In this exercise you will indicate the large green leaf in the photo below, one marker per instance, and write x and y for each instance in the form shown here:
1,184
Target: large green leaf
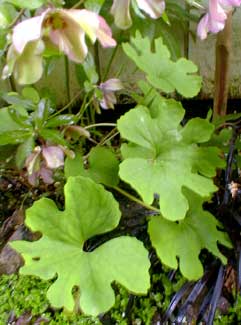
162,157
103,166
160,70
184,240
89,211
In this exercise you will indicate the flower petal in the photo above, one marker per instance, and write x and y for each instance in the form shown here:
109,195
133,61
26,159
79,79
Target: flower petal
154,8
46,175
70,37
111,85
108,100
121,11
93,25
104,34
28,67
27,31
71,41
203,27
54,156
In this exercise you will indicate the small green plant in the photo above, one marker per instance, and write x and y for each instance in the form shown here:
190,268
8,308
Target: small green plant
169,164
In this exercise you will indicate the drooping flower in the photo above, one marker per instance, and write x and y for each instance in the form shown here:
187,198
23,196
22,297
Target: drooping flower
108,88
64,29
121,10
214,20
41,163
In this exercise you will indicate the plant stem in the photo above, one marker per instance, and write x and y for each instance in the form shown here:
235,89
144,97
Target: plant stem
99,124
67,105
15,20
97,59
110,62
12,84
186,33
133,198
109,138
221,83
77,4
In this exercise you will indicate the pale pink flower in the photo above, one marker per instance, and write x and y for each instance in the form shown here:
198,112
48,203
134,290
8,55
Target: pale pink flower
54,156
41,163
121,10
64,29
214,20
108,88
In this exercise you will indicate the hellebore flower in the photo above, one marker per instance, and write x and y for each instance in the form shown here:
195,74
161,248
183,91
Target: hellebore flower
63,29
41,162
121,10
214,20
107,88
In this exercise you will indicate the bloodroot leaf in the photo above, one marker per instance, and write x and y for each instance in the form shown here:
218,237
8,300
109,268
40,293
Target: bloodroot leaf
89,211
163,157
184,240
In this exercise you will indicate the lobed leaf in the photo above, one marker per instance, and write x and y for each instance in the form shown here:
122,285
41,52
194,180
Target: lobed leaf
89,211
162,157
161,71
185,239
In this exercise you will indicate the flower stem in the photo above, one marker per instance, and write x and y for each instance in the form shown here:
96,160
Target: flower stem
110,63
99,124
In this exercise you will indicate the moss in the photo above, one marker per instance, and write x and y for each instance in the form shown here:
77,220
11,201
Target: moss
145,308
20,294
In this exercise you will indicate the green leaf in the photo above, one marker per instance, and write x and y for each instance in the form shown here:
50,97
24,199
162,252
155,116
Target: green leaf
23,151
62,119
185,239
94,5
31,94
22,120
7,14
16,100
75,166
54,136
160,70
89,211
103,166
33,4
41,113
14,137
162,157
6,122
